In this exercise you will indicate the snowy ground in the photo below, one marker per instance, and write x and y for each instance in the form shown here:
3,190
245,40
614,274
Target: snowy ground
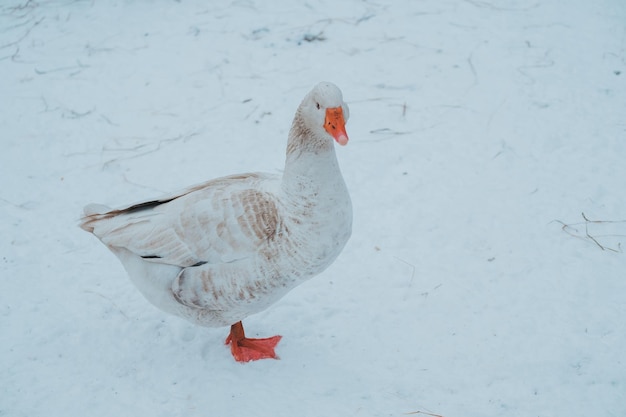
472,285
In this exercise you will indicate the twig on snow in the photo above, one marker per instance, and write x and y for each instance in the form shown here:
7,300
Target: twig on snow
388,131
77,69
423,412
310,37
412,275
146,148
29,6
24,35
109,300
572,231
487,5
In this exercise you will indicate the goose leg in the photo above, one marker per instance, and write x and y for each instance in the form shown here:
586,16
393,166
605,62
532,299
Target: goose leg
246,349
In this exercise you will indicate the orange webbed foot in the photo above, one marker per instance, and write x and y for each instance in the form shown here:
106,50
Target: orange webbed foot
247,349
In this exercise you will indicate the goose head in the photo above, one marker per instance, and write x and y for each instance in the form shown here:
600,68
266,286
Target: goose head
323,114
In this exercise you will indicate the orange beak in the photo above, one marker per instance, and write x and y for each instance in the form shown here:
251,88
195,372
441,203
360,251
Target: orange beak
335,125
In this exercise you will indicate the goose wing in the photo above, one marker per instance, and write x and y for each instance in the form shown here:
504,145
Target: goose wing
222,220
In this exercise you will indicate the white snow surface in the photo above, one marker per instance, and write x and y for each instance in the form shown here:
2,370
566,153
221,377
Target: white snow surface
480,132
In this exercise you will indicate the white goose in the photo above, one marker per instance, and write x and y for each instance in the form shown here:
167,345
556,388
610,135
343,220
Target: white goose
220,251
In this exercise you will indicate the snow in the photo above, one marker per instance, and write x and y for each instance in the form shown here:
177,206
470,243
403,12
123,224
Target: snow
480,131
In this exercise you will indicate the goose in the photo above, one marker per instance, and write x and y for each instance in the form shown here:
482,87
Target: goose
218,252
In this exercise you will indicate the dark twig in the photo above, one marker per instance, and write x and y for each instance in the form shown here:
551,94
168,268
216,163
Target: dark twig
572,231
423,412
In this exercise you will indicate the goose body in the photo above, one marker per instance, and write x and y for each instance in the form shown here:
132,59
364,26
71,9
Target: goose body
220,251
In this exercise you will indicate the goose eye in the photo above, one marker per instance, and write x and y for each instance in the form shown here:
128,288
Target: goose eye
318,106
